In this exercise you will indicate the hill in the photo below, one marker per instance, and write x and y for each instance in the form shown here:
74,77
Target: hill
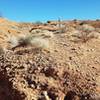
57,60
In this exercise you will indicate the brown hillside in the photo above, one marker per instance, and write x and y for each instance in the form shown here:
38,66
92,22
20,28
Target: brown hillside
50,61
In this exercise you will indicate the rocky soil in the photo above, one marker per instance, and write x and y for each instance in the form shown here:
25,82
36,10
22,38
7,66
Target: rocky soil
68,69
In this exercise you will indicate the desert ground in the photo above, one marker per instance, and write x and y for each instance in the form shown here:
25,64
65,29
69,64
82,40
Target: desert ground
56,60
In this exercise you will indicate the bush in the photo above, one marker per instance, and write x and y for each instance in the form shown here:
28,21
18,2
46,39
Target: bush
85,33
12,40
24,40
38,23
84,37
48,21
28,39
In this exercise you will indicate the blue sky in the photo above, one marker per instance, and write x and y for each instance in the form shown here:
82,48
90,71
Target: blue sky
43,10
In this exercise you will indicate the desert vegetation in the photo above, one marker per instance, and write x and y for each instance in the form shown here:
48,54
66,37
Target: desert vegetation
85,33
36,40
42,65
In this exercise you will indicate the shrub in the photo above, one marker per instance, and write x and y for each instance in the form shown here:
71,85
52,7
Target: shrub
28,39
13,41
97,19
38,23
39,42
86,28
48,21
84,37
85,33
24,40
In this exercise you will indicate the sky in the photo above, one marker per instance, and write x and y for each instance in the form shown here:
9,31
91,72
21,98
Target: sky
43,10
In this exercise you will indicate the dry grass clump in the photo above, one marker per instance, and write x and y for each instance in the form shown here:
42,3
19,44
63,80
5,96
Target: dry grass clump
85,33
12,40
24,40
28,40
